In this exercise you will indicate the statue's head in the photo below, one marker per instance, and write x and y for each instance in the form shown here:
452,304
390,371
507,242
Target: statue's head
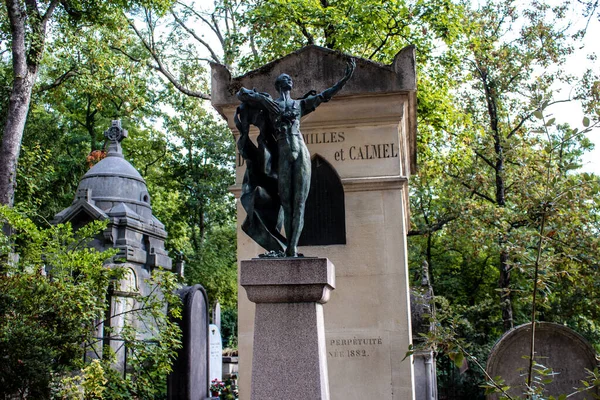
283,81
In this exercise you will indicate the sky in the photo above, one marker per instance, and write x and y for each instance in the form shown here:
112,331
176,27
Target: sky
577,64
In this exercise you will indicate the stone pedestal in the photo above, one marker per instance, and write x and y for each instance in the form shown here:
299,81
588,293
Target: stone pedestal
289,361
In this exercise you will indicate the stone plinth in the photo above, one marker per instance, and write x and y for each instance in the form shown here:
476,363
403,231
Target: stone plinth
289,361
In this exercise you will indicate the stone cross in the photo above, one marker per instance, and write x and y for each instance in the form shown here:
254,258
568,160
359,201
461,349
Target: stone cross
115,134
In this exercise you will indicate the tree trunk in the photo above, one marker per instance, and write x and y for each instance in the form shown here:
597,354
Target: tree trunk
18,108
505,296
25,69
25,63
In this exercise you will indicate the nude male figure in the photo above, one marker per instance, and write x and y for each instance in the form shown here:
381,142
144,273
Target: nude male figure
294,167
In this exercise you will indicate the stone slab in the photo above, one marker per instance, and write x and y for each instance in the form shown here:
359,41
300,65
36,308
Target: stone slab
189,379
556,346
215,364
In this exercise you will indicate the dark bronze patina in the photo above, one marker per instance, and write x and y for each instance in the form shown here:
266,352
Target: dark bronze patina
277,178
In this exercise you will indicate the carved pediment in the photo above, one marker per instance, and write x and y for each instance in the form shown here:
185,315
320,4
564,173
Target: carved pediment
317,68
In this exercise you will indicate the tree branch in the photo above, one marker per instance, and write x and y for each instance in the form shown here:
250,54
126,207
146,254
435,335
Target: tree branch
529,115
58,81
160,67
434,227
48,13
214,55
488,162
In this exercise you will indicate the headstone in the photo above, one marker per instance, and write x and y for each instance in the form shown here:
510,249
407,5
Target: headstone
366,137
230,367
289,361
216,316
216,354
556,346
189,379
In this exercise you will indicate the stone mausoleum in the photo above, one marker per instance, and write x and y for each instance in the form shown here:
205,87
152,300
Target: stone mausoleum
114,190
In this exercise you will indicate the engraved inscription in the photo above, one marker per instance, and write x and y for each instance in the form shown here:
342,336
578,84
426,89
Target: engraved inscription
347,153
353,348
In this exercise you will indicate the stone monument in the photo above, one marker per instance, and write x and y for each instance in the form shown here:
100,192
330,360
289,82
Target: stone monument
556,346
189,379
215,344
362,146
113,190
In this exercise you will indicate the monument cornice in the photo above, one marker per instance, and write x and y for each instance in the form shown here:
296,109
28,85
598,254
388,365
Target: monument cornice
355,184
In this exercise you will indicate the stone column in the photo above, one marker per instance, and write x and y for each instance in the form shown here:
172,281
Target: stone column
289,360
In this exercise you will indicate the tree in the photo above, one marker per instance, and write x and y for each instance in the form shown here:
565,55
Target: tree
28,23
53,295
500,209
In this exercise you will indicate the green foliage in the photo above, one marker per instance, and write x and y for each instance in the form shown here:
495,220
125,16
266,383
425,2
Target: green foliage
44,320
370,29
53,290
216,266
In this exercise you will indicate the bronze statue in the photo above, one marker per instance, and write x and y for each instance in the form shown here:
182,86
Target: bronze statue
278,169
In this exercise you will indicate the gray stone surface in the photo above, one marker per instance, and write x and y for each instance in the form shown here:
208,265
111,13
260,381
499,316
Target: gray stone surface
425,375
278,280
189,379
557,347
399,76
289,360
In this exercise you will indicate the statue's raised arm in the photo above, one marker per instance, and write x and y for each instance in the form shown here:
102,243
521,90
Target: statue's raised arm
310,103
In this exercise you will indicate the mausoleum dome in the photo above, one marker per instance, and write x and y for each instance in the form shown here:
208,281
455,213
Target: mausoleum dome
113,190
113,181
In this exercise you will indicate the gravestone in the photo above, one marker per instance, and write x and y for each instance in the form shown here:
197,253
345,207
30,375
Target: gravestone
363,142
216,315
556,346
189,379
216,353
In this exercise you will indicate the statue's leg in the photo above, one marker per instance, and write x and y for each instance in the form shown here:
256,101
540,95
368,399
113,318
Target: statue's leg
285,188
301,187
